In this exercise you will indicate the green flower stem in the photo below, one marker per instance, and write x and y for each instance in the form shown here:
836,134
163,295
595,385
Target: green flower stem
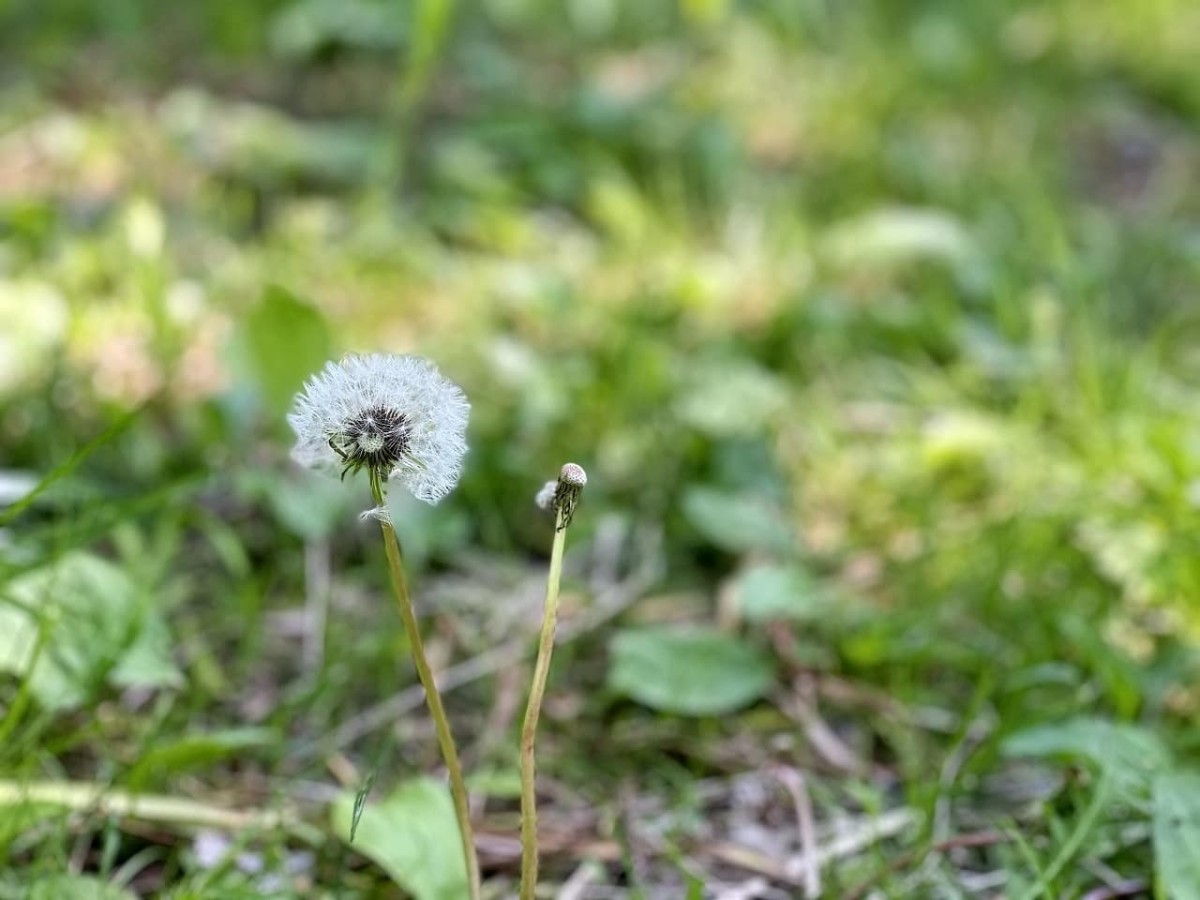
529,842
458,789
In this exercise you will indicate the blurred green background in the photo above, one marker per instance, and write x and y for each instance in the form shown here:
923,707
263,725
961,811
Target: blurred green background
875,325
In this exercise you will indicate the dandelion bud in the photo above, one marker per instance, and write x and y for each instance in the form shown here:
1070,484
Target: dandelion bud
570,484
573,474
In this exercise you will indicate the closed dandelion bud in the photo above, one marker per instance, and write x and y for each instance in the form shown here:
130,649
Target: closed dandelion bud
571,481
395,416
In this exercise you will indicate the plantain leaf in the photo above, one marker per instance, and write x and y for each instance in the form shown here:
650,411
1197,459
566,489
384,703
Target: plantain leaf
413,835
692,672
1177,834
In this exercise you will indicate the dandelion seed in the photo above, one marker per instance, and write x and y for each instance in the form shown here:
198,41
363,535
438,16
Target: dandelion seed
545,497
378,513
395,416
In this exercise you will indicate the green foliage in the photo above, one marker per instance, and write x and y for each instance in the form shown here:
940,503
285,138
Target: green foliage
738,522
689,672
308,27
75,886
766,592
1132,757
873,324
285,341
413,835
20,818
1177,834
197,752
80,622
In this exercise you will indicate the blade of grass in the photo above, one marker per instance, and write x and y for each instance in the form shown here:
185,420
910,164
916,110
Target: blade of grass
1074,841
69,465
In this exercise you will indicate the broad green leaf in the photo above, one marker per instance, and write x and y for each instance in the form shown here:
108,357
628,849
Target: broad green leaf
146,661
695,672
738,522
731,398
413,835
767,592
78,623
286,341
1133,756
313,505
306,27
77,887
1177,834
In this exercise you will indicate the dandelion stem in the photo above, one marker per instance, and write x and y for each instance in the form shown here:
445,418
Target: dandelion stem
529,841
458,789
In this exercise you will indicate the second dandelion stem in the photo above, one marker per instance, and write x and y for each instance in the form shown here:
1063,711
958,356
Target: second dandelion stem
529,841
441,723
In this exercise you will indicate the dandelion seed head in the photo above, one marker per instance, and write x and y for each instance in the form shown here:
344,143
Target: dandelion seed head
396,415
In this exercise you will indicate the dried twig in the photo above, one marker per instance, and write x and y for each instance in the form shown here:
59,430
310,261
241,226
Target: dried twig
795,784
1131,888
861,834
587,874
854,837
100,799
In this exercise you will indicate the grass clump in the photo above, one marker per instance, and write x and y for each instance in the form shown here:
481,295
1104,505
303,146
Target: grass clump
874,320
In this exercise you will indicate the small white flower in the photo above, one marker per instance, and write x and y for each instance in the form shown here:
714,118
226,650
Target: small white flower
395,415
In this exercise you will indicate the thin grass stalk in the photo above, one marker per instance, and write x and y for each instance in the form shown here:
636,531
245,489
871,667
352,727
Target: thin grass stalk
458,789
529,841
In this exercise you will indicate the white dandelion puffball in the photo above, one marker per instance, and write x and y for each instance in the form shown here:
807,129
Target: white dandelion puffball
396,415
